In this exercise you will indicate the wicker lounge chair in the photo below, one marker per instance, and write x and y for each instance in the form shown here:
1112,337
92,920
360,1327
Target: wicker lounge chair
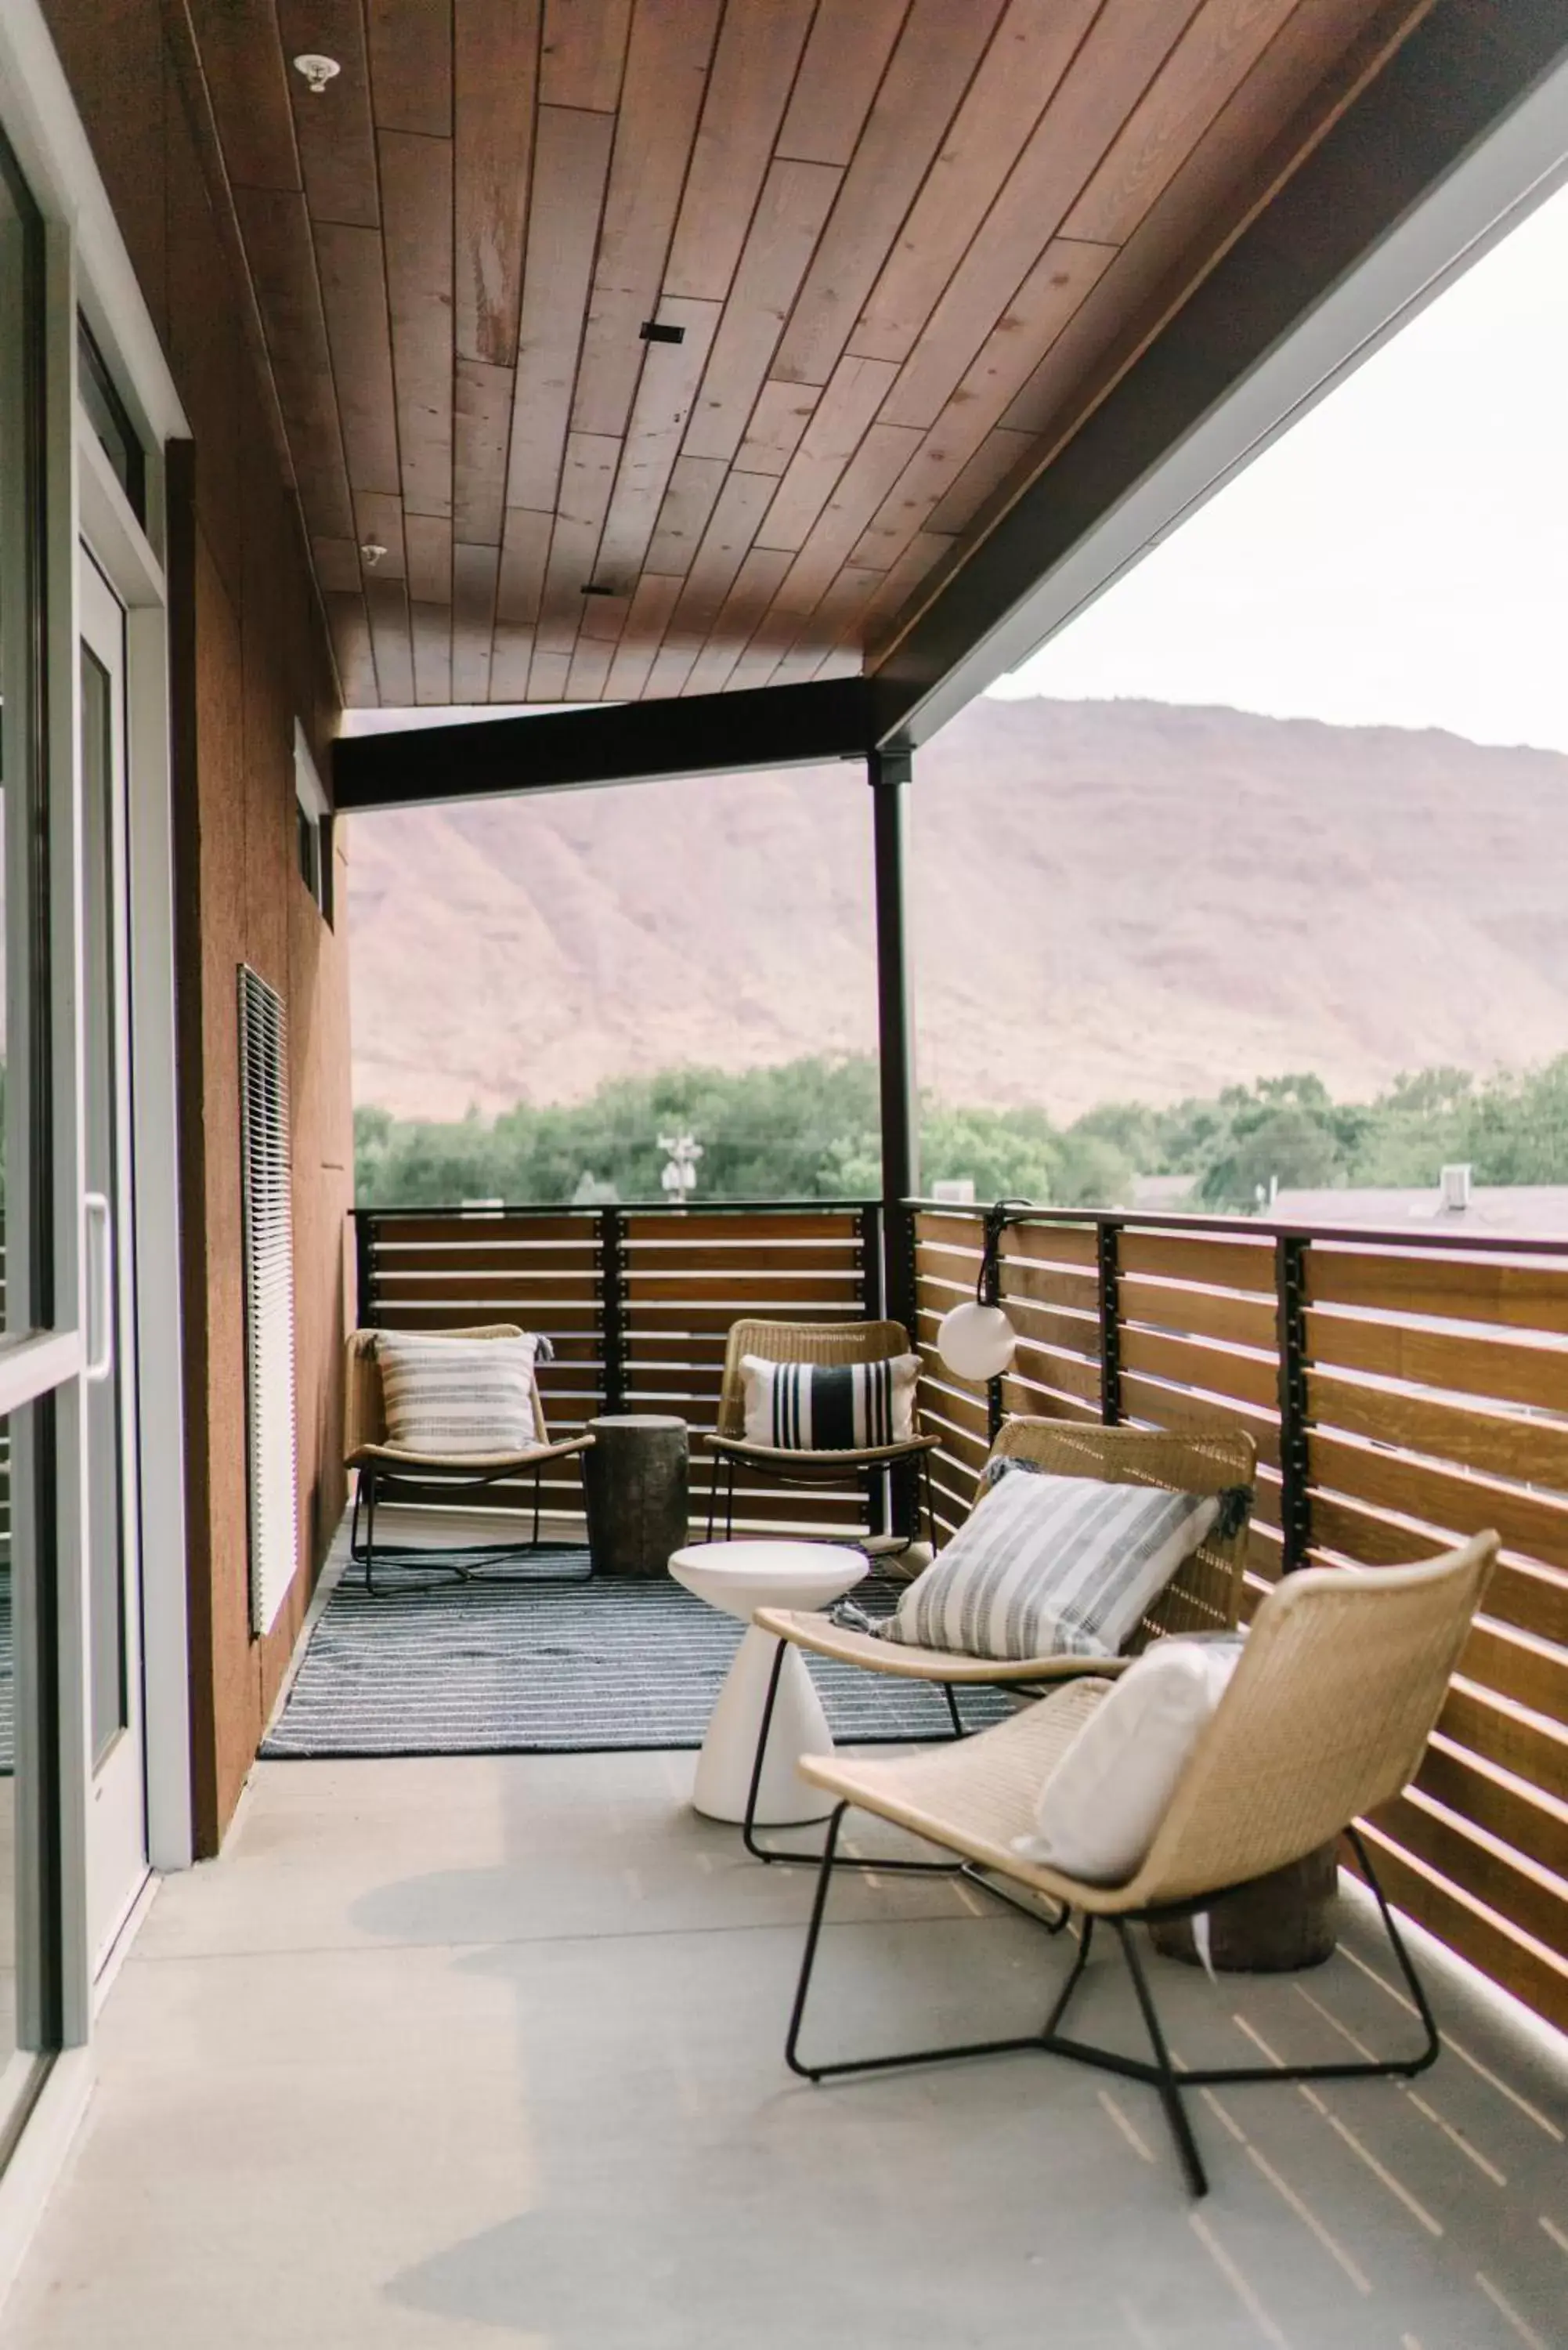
1206,1595
804,1342
1327,1716
384,1472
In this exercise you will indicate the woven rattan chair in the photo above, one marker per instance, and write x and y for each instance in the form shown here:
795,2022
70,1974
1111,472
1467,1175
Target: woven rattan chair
384,1472
832,1342
1205,1597
1327,1716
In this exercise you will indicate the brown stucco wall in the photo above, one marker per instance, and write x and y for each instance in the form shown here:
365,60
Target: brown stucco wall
249,656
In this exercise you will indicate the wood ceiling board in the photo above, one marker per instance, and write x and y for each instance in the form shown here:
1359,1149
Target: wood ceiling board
1212,60
430,628
584,53
670,375
511,660
359,337
833,620
843,413
276,232
588,678
694,486
410,65
379,521
1107,77
782,412
495,74
937,52
247,79
796,201
866,481
724,547
846,58
417,198
1032,49
387,603
1055,287
587,478
474,570
998,456
756,582
482,422
1281,111
671,42
748,88
337,564
428,550
651,605
671,668
925,551
524,552
570,162
349,629
334,133
548,676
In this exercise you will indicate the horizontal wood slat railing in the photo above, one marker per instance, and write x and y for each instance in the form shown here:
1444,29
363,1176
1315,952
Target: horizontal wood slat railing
1404,1390
638,1303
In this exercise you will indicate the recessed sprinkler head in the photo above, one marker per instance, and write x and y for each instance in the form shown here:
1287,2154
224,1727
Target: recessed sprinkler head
317,72
372,551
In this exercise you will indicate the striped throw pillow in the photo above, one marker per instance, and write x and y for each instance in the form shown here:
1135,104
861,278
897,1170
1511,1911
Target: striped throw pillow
1053,1566
452,1398
829,1407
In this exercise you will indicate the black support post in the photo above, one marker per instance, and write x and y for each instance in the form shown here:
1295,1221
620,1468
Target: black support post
888,774
1295,1507
364,1268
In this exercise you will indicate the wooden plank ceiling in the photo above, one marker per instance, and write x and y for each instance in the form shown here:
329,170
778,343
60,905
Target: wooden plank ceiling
891,249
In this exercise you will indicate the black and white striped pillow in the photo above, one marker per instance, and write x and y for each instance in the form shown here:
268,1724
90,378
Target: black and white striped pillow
829,1407
1053,1566
458,1398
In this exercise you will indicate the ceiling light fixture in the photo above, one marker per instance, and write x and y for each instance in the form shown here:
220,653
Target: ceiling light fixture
372,552
653,331
317,72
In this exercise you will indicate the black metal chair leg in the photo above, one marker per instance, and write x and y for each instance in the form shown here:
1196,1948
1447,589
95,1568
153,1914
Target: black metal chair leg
1165,2072
812,1935
1433,2046
747,1829
538,1483
1064,1997
354,1553
729,1504
954,1716
370,1589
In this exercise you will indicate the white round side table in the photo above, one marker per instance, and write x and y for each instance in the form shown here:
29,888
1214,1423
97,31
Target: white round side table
740,1576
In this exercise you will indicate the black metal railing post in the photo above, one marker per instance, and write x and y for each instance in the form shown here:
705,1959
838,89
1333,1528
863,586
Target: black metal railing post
612,1305
868,1227
1290,1292
992,1285
1107,1239
367,1304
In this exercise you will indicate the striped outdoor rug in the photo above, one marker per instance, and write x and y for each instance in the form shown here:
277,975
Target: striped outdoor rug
546,1664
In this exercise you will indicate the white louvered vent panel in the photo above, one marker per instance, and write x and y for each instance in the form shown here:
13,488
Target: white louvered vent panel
269,1296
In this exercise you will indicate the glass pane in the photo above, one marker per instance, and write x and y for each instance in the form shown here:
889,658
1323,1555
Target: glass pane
100,781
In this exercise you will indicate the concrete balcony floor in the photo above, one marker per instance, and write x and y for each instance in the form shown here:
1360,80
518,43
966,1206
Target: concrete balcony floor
452,2053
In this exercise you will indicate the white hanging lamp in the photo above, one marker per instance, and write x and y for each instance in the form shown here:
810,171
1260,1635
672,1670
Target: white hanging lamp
976,1340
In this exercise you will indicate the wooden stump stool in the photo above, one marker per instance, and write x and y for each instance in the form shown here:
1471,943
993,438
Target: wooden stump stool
1283,1921
636,1476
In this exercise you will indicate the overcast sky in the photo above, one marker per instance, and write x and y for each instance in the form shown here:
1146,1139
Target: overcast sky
1400,557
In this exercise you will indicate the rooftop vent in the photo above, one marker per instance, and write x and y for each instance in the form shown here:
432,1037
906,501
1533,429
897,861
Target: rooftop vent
1454,1187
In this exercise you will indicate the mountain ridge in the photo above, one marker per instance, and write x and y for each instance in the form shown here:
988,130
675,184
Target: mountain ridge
1110,899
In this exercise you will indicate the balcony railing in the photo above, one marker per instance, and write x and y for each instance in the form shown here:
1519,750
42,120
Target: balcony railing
637,1302
1404,1390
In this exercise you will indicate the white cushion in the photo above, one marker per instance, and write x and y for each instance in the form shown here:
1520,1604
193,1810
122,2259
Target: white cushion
1048,1567
1103,1804
455,1397
829,1407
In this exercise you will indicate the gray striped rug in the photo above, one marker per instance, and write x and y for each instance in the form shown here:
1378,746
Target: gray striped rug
550,1662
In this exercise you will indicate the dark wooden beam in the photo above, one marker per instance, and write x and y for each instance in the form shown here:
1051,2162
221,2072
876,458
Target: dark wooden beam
1447,88
617,743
